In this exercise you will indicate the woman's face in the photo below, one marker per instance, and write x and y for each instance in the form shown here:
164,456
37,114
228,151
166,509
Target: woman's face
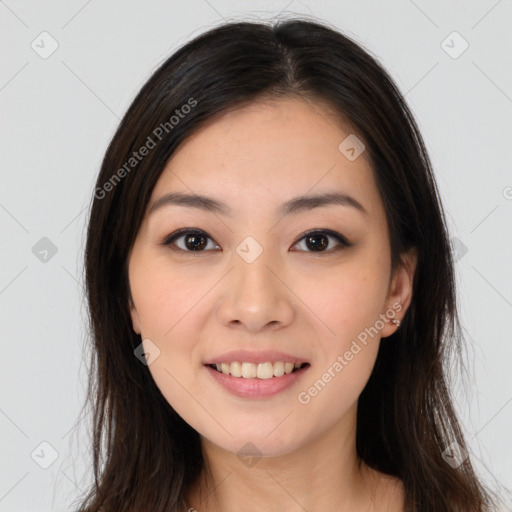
255,289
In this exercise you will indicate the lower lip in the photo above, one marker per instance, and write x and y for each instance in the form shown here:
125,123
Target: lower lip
256,388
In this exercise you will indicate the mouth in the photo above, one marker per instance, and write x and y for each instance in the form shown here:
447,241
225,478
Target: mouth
261,371
257,380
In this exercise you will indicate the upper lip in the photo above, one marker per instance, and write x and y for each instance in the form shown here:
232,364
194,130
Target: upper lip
262,356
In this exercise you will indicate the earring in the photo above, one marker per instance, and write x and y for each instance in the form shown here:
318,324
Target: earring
396,322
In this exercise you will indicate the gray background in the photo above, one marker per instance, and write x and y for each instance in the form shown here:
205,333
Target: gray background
58,114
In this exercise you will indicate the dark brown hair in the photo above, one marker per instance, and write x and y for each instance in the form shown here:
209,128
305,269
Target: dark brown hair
405,415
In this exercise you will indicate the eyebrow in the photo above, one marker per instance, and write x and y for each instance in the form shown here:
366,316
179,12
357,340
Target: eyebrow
295,205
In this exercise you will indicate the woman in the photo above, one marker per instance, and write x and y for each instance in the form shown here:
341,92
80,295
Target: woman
271,289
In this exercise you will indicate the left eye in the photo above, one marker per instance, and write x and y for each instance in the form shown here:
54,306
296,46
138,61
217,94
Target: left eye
318,241
313,241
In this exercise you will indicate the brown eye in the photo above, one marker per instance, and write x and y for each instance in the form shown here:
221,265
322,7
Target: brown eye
318,241
195,242
190,241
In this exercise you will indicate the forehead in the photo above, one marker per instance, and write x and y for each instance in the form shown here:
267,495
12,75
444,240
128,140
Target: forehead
269,151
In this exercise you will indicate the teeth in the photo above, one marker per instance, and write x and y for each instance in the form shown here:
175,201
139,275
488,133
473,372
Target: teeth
249,370
257,370
265,371
236,369
278,369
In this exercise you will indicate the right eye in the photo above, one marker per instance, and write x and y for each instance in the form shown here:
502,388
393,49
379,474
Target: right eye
190,240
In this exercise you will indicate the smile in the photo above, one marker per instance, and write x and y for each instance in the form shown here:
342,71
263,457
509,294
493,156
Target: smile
267,370
256,380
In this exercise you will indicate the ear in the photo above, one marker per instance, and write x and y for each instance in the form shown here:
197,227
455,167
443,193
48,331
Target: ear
135,316
400,291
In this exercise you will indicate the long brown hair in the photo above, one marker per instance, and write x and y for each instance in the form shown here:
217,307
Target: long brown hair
405,415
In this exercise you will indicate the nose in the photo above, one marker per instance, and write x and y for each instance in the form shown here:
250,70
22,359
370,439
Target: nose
255,297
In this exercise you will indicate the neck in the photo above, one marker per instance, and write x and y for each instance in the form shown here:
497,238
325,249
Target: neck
323,474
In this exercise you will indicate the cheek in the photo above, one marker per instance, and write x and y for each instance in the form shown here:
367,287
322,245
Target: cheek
349,306
348,300
168,305
163,297
334,389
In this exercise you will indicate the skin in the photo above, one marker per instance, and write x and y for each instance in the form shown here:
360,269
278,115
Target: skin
311,304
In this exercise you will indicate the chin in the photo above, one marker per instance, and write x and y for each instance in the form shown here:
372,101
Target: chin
256,442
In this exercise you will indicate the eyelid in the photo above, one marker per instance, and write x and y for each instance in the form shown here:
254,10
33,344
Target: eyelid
329,232
168,241
343,242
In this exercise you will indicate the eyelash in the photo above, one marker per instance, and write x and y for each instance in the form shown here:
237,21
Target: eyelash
343,242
